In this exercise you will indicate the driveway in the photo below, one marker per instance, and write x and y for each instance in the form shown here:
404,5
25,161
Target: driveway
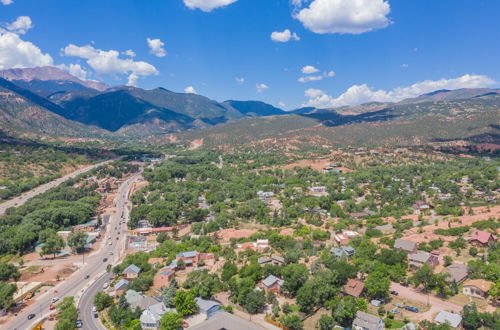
436,304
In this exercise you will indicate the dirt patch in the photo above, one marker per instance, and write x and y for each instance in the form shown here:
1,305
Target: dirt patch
195,144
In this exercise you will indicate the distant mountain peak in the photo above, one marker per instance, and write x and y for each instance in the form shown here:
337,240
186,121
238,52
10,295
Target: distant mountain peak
48,73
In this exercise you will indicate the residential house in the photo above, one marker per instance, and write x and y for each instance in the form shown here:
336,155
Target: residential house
405,245
136,299
420,207
272,283
477,288
365,321
353,288
163,277
121,287
131,272
224,320
458,272
150,317
264,194
190,258
208,308
482,238
273,260
343,251
419,258
454,320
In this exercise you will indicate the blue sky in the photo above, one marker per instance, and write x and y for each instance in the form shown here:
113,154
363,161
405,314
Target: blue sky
395,49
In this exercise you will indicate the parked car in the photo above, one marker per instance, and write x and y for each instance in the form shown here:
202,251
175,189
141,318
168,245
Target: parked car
406,284
411,309
105,286
79,323
395,293
55,299
87,276
399,305
52,307
105,259
394,311
31,316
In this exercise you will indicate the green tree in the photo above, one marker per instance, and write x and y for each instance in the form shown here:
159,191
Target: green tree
53,244
184,302
102,301
169,295
7,291
77,241
171,321
228,270
292,322
471,319
326,322
423,276
255,302
8,271
377,285
294,275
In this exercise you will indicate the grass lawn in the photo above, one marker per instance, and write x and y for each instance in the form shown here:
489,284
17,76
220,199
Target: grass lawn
394,324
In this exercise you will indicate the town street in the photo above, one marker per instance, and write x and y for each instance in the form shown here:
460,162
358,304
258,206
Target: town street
111,248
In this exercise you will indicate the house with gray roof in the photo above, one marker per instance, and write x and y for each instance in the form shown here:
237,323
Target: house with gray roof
136,299
405,245
419,258
454,320
224,320
272,283
343,251
365,321
458,272
207,307
132,271
150,317
121,286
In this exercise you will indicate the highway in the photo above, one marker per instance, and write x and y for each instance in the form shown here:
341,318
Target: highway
20,200
91,275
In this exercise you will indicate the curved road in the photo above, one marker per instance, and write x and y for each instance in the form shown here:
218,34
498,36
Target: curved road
86,276
20,200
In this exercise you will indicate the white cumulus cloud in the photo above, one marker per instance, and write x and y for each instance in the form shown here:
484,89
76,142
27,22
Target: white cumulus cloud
21,25
156,47
284,36
6,2
18,53
239,80
190,90
309,69
207,5
129,52
344,16
109,62
358,94
75,70
261,87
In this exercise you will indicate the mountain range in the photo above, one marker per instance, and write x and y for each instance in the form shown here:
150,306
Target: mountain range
48,101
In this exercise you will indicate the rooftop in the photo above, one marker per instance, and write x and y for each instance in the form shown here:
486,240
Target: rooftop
452,319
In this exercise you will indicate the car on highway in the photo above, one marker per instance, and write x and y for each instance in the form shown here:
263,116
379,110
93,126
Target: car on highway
105,259
110,243
31,316
105,286
87,276
117,238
